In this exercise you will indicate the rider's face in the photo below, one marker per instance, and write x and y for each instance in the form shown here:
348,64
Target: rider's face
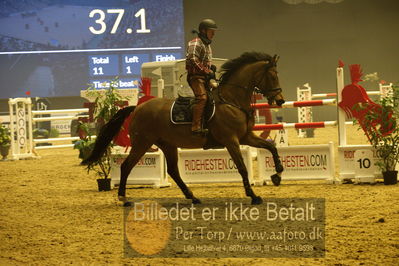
210,33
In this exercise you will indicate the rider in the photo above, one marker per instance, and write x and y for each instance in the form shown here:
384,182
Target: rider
199,69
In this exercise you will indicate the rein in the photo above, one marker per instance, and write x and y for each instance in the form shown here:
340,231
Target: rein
255,89
248,113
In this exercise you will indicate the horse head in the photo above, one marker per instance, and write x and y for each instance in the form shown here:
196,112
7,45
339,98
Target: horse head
254,71
269,84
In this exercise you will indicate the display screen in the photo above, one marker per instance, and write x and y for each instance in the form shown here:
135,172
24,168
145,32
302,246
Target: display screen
58,48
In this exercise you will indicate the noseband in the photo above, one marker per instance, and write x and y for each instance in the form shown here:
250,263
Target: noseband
277,90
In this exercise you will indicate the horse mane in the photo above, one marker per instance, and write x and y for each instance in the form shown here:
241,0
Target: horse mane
232,65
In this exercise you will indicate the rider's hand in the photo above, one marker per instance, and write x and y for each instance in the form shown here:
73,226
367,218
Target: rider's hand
211,75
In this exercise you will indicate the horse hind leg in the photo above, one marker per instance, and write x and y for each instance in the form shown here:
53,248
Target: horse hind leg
132,159
171,156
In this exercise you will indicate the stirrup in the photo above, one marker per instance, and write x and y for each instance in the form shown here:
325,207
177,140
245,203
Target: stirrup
201,131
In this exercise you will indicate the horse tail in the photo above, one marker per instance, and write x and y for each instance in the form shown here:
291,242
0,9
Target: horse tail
106,134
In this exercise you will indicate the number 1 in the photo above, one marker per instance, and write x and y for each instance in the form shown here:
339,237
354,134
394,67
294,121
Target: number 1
128,70
141,14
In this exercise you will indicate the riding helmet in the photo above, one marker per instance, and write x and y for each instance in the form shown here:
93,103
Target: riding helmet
207,24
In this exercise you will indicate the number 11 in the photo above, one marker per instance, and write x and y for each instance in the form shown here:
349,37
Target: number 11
98,71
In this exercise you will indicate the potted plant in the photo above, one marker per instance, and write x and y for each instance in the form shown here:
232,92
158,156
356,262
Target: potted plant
106,103
85,143
85,146
384,136
5,141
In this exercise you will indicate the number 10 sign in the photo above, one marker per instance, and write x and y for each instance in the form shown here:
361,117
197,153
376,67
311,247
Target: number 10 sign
364,164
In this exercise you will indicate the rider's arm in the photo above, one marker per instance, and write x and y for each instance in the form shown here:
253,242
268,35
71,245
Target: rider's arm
195,50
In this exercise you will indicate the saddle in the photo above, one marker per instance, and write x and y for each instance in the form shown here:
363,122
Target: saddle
181,112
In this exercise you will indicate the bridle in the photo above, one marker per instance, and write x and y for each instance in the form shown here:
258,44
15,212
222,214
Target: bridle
248,113
276,90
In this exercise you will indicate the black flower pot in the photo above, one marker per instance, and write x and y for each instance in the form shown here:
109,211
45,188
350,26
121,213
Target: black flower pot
85,152
104,184
390,177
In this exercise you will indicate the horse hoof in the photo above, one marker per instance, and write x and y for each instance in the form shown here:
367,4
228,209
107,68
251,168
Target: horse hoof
276,179
122,198
196,201
279,168
127,204
257,200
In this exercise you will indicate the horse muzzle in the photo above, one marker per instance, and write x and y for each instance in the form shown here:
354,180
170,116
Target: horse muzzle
280,102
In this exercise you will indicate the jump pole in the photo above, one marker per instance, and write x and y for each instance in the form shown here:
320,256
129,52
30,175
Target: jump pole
292,104
295,125
341,116
384,89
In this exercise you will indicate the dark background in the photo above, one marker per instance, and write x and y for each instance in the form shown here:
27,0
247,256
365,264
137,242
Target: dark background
310,38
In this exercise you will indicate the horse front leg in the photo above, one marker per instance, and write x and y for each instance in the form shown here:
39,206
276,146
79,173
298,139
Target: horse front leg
235,153
252,140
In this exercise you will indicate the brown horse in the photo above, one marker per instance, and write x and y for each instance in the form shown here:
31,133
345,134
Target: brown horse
230,126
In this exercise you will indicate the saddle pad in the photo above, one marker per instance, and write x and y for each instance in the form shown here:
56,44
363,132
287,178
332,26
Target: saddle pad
181,110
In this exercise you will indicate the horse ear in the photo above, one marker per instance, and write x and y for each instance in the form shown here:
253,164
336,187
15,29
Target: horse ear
275,59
